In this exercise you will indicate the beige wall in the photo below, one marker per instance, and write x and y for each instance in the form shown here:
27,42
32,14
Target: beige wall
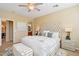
57,21
16,18
0,32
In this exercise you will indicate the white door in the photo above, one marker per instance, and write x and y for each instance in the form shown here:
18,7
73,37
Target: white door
9,30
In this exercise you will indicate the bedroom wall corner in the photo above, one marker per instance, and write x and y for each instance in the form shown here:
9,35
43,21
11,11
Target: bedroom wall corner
57,21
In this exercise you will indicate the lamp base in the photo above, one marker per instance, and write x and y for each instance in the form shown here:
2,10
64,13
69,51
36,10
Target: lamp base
67,37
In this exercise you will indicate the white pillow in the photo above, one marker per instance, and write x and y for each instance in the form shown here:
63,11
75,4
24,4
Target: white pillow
55,35
45,33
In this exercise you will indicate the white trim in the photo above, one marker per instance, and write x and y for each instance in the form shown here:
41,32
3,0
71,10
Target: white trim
7,35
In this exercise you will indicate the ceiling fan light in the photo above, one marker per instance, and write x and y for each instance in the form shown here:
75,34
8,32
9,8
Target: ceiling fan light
31,7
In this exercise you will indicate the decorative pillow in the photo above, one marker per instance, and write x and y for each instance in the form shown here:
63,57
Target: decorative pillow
55,35
49,34
45,33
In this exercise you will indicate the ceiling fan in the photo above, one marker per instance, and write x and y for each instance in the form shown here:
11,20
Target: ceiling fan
31,6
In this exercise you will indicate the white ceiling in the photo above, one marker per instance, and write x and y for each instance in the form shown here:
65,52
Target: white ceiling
45,9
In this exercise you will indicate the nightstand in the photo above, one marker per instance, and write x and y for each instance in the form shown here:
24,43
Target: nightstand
68,44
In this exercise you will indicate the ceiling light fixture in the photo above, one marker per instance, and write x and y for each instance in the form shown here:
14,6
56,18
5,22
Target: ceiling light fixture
31,6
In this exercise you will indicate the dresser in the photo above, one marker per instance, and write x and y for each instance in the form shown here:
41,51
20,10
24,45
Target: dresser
68,44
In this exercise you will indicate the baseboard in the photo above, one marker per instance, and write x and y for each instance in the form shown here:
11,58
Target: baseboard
0,45
77,48
16,42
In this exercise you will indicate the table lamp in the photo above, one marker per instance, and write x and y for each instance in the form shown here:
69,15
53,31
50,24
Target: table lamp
68,30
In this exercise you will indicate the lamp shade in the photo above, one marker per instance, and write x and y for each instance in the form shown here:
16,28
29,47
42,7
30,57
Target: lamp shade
37,28
68,29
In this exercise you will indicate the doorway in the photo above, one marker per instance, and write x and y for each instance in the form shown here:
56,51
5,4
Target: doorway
7,32
3,31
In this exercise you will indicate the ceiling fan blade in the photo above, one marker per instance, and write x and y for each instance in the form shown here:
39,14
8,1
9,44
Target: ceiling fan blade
38,3
22,5
29,10
55,5
37,9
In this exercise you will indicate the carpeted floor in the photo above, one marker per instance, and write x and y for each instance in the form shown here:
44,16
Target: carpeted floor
4,46
61,52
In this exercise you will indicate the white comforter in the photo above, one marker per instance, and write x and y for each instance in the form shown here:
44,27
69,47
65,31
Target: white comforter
41,46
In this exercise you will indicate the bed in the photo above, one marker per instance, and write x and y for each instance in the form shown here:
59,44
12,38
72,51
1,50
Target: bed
41,45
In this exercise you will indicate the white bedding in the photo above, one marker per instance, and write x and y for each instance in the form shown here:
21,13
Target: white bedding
42,46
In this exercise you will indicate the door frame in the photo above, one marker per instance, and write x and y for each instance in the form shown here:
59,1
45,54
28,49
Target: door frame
0,31
7,34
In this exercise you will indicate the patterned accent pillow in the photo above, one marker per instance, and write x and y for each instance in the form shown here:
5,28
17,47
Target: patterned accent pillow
44,34
49,34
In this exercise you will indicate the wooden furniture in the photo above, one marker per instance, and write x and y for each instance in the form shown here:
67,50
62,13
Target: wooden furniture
68,44
30,29
29,33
